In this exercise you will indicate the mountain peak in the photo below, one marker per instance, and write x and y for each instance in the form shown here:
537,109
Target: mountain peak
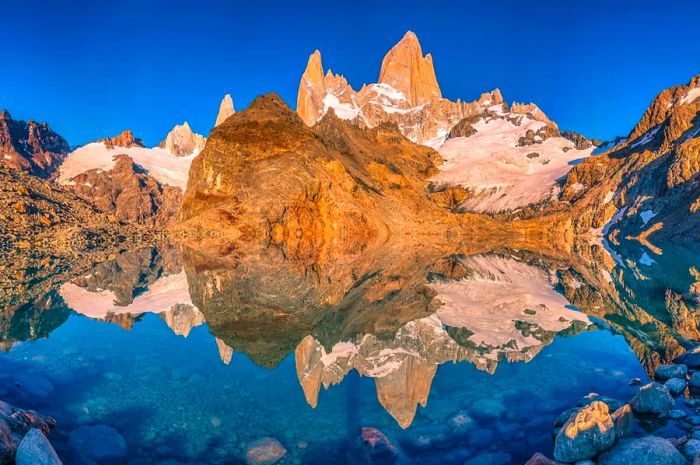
124,139
406,69
181,141
311,89
225,110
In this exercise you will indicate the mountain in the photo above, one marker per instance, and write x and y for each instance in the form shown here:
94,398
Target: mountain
647,185
128,192
31,146
161,164
225,110
181,141
501,157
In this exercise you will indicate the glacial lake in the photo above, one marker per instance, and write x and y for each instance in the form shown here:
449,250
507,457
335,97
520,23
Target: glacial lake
470,356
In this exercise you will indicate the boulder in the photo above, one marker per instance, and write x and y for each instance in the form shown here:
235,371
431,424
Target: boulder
652,399
695,380
664,372
648,450
691,448
676,386
264,451
97,442
487,409
690,359
35,449
623,420
613,404
585,434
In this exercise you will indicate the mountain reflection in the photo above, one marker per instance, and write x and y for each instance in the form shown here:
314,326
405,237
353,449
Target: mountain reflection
394,317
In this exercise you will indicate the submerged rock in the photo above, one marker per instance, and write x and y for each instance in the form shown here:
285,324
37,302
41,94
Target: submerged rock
375,447
649,450
35,449
540,459
98,442
490,458
429,437
691,448
265,451
585,434
652,399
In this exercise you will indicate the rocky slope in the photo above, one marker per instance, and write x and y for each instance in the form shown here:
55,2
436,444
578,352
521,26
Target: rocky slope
46,231
501,157
646,186
30,146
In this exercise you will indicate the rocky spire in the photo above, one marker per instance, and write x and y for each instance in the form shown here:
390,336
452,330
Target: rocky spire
406,69
225,109
311,90
182,141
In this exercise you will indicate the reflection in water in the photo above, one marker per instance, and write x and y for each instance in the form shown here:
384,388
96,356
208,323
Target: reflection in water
394,319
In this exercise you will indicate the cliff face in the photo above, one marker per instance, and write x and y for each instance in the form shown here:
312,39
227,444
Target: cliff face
31,147
647,186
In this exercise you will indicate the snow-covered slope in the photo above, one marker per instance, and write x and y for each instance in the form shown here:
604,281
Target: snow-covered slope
503,167
160,163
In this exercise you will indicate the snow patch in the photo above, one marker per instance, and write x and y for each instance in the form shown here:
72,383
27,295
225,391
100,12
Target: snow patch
160,163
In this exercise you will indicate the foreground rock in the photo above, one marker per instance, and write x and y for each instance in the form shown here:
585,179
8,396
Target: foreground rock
23,437
265,451
652,399
36,449
585,434
649,450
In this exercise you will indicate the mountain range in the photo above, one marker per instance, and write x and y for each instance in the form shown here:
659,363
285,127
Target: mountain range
351,170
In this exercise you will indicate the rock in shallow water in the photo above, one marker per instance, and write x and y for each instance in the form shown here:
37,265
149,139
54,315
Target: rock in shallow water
429,437
539,459
35,449
652,399
585,434
375,447
264,451
691,448
98,442
649,450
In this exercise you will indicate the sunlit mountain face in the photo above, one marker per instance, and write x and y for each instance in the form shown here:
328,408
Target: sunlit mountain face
196,353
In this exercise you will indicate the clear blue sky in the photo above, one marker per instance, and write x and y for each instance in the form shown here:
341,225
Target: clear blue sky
92,68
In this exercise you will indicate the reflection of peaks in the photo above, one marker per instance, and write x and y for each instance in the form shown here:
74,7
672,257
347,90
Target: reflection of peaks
500,309
181,318
225,352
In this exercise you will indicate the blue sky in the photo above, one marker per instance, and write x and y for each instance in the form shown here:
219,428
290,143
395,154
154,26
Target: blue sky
92,68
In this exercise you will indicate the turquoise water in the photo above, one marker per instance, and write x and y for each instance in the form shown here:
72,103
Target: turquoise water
176,399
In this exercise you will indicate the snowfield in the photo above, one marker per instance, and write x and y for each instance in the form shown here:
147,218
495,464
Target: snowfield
500,173
160,163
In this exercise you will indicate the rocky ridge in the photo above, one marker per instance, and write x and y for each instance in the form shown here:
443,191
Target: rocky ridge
30,146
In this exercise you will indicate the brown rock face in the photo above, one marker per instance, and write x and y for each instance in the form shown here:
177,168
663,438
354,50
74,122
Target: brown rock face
129,193
124,139
407,70
31,147
225,109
